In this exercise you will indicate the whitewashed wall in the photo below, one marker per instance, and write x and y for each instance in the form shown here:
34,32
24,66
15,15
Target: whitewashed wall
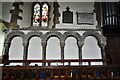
76,7
27,8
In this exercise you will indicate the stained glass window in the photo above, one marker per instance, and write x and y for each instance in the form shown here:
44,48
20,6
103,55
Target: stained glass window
40,14
44,14
36,15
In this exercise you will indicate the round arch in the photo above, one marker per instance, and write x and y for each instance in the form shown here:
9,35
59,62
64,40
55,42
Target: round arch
13,34
94,34
29,35
8,40
72,34
53,34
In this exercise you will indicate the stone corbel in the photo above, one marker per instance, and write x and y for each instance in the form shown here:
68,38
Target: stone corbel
25,43
44,43
103,41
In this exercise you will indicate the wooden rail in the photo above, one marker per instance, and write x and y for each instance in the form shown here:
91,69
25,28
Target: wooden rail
69,61
60,72
103,72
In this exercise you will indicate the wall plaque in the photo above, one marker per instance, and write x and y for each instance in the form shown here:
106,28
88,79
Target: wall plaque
67,16
85,18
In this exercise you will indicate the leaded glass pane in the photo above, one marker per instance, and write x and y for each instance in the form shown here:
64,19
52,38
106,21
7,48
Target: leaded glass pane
44,14
36,15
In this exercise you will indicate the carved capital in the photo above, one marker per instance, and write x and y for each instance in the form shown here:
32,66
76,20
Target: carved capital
44,43
80,43
62,43
103,41
25,43
6,45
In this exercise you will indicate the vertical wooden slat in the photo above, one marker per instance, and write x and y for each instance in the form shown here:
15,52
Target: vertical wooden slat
117,8
22,75
94,73
73,74
37,74
104,13
59,71
51,75
108,72
111,13
44,74
80,73
66,73
119,12
115,19
106,6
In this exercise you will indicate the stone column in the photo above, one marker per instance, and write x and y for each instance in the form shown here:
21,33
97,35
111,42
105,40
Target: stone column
80,44
44,45
62,45
103,54
25,54
102,46
6,53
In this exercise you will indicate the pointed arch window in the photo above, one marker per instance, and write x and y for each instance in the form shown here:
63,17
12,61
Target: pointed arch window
44,14
40,15
36,15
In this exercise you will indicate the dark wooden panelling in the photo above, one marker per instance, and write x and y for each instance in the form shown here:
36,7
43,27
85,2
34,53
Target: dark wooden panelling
113,47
